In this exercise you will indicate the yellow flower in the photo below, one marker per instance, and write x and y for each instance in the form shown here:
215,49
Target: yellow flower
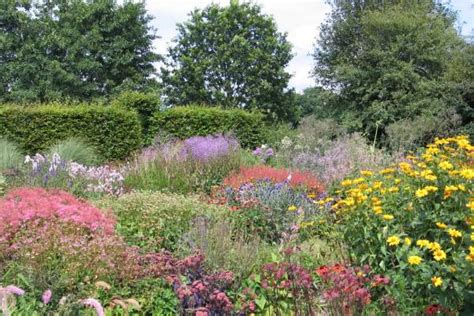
393,240
441,225
388,217
470,205
452,269
377,209
421,193
346,183
439,255
449,189
431,188
387,171
377,185
407,241
433,246
462,187
454,233
437,281
472,236
422,243
306,224
311,195
393,189
366,173
445,165
292,208
467,173
414,260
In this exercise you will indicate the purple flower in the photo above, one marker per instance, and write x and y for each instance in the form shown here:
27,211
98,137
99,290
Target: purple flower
14,290
257,151
92,302
46,297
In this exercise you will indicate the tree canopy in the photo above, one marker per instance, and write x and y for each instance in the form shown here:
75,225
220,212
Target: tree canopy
82,50
230,56
392,60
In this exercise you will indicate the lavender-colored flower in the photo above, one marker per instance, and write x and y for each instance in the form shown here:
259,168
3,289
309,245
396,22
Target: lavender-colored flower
12,289
205,148
257,151
46,297
92,302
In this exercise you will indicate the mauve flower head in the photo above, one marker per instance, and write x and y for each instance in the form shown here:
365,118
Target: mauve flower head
92,302
205,148
12,289
46,297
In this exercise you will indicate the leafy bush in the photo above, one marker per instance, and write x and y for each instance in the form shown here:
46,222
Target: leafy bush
114,132
196,164
10,156
74,149
154,220
145,104
185,122
413,222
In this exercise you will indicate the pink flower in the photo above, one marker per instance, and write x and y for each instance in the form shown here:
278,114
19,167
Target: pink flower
46,297
14,290
92,302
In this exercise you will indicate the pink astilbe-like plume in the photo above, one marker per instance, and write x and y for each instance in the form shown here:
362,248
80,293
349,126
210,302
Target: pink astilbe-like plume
25,204
92,302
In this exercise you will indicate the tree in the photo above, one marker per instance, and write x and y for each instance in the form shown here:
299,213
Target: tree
57,49
389,60
315,101
230,56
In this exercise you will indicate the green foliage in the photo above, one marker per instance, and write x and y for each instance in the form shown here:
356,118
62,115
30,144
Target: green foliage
185,122
114,132
230,56
10,155
74,149
389,62
315,100
154,220
3,185
56,50
145,104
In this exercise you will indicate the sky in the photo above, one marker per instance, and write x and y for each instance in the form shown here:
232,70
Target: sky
299,18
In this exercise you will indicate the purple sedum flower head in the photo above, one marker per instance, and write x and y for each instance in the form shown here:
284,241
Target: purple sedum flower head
46,297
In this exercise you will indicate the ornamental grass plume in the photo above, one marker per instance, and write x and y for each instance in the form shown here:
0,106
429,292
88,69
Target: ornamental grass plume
27,204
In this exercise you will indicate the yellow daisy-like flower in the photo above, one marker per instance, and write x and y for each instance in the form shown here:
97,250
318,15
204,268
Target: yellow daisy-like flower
449,189
431,188
467,173
366,173
437,281
439,255
470,205
377,185
445,165
292,208
393,240
472,236
433,246
421,193
377,209
407,241
422,243
414,260
346,183
393,189
454,233
441,225
387,217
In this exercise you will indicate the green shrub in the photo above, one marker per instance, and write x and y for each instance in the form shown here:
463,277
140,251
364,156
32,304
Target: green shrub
113,131
10,156
185,122
145,104
74,149
154,220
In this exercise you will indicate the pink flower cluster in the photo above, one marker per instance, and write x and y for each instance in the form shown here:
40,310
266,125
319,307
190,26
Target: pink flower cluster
349,287
26,204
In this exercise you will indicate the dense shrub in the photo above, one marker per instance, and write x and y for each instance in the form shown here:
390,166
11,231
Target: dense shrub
196,164
112,131
154,220
414,223
185,122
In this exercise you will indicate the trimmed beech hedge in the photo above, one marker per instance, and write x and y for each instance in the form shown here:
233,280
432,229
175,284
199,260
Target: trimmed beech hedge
188,121
113,131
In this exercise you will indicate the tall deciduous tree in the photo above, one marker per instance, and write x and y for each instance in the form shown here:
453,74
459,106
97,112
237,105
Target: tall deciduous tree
230,56
390,60
57,49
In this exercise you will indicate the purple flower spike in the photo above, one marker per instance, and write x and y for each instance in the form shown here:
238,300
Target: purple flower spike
14,290
46,297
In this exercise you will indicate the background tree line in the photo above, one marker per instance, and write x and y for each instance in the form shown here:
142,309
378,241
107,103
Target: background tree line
379,65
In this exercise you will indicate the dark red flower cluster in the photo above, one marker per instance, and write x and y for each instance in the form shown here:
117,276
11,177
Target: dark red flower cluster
285,275
295,178
436,309
349,287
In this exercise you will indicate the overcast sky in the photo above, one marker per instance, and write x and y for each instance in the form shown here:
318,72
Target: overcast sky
299,18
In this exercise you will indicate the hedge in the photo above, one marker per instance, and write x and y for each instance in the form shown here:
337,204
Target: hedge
114,132
187,121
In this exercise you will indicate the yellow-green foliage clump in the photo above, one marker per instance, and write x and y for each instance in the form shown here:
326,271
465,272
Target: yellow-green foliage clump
415,222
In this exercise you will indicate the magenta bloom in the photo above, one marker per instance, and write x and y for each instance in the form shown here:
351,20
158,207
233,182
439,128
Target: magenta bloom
46,297
92,302
14,290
